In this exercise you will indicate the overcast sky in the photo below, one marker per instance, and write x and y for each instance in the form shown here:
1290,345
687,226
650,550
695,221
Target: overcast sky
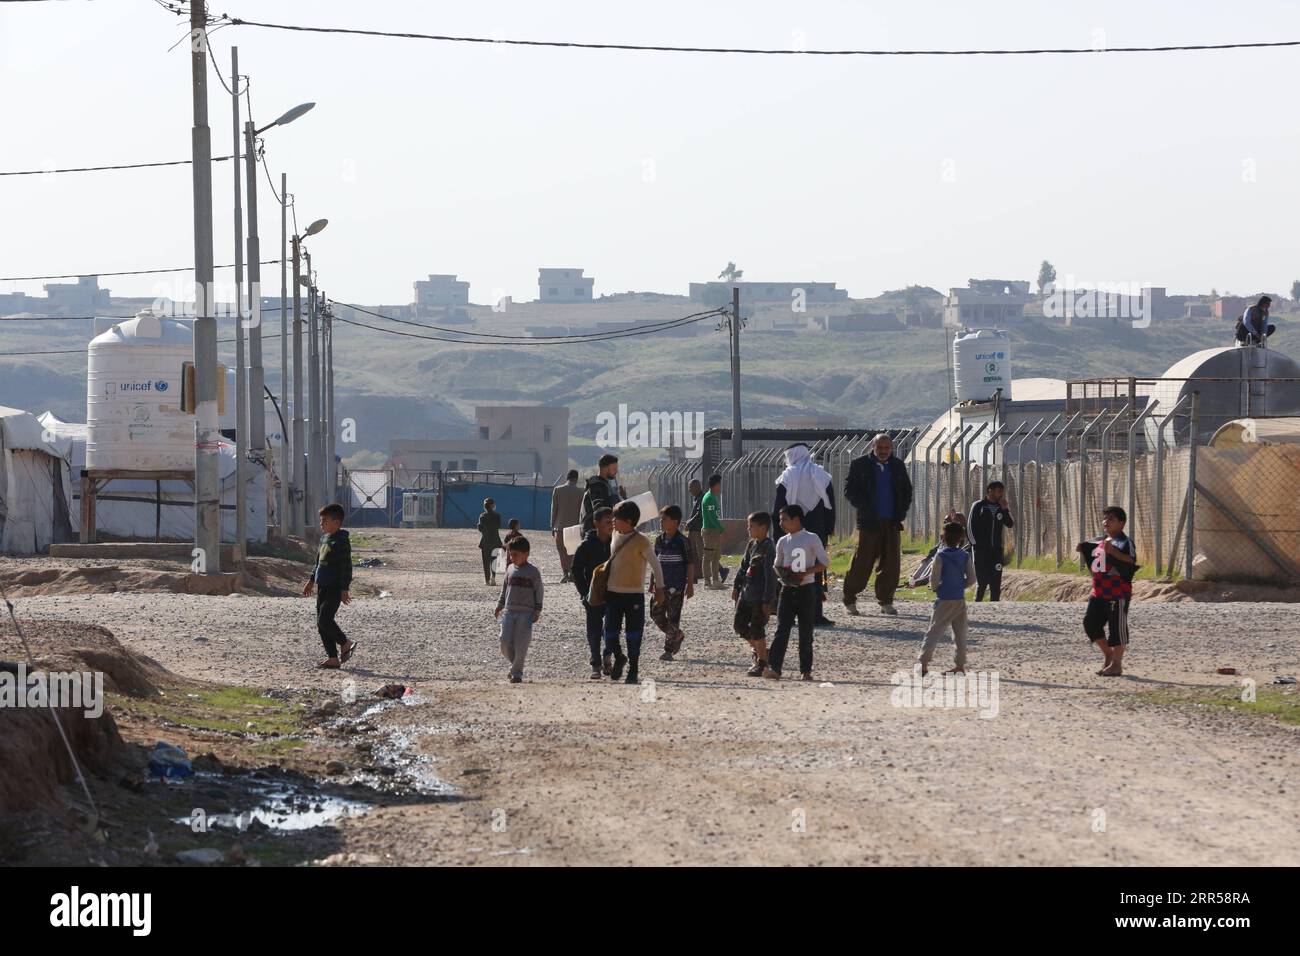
651,170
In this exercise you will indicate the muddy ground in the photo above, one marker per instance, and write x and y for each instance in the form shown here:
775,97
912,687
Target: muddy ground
706,765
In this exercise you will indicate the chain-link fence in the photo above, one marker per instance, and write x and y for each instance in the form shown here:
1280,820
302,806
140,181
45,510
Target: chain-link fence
1224,512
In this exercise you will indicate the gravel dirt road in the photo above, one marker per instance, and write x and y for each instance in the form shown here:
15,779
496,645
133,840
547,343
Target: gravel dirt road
702,764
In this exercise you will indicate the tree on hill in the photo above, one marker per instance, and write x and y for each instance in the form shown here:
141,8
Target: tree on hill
1046,276
1295,291
731,274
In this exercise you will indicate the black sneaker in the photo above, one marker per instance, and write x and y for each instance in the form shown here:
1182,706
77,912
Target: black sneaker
631,678
823,621
620,661
666,656
806,675
516,679
757,669
595,674
722,574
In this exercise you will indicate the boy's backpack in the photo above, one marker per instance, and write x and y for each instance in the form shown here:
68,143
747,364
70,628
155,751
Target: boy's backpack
600,577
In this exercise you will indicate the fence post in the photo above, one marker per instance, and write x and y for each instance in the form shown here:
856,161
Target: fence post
1105,456
1132,463
1056,467
1038,487
1083,473
1191,484
932,492
1020,491
966,466
1160,482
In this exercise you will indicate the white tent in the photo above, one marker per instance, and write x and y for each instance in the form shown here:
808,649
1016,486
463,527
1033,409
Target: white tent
33,510
137,509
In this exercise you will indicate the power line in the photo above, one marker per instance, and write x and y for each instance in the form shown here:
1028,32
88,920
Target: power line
552,340
96,169
128,272
752,51
667,323
82,351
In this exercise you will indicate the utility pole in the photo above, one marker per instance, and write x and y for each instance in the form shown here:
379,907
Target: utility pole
297,495
241,385
313,398
285,442
207,435
332,434
735,373
256,373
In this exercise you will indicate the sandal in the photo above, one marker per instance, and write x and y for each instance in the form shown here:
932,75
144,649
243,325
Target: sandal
347,655
327,666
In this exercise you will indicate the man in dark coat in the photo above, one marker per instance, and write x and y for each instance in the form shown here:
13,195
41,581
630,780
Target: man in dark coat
879,488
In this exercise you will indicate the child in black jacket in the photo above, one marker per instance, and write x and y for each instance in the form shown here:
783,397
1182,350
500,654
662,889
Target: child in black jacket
591,553
331,578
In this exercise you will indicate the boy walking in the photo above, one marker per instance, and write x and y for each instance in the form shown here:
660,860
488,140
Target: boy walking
711,530
331,578
590,554
519,606
1114,562
951,572
630,554
754,590
673,550
800,557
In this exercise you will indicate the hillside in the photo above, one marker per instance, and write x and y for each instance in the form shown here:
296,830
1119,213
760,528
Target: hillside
397,386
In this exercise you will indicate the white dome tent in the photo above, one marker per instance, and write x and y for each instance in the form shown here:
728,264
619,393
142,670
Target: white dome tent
33,503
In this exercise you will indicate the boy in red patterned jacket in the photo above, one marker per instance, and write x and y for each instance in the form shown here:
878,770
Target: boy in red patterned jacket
1113,564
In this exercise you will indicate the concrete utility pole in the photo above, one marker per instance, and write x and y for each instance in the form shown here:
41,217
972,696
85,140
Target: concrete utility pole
285,438
331,433
256,449
297,496
736,451
313,399
207,436
241,385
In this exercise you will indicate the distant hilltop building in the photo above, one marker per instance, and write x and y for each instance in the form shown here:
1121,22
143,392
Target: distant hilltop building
719,293
564,285
83,297
986,302
512,439
440,290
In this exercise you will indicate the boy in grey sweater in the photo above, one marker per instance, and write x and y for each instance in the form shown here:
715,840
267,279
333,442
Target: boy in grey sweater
519,606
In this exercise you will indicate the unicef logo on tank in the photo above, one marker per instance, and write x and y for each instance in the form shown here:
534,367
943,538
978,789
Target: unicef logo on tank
160,385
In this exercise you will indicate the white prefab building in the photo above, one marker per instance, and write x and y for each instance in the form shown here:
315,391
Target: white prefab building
564,285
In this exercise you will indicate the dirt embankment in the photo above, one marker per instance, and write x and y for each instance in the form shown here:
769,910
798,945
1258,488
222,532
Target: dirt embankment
279,575
31,751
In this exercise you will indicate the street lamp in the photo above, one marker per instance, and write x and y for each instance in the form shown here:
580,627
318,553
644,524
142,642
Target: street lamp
255,447
300,497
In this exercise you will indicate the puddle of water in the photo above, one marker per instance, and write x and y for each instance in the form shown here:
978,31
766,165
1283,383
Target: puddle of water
285,808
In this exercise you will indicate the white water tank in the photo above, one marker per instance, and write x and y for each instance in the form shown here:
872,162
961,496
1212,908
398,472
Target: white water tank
133,396
981,364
